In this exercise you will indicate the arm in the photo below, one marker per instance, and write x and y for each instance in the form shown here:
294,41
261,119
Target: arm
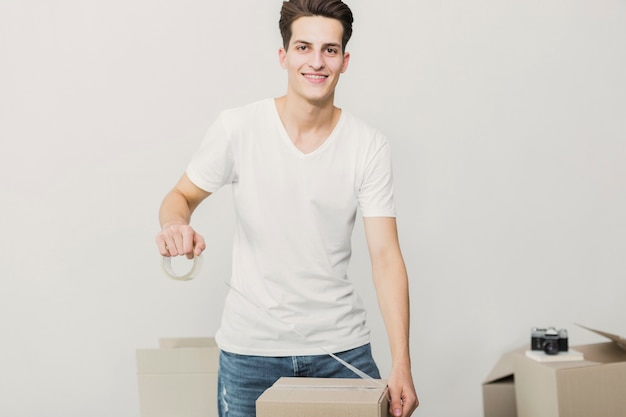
176,236
392,290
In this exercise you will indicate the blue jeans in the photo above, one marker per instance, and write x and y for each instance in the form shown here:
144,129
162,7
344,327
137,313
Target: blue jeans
242,379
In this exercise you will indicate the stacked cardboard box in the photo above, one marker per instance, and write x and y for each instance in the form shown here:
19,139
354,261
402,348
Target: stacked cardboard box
179,378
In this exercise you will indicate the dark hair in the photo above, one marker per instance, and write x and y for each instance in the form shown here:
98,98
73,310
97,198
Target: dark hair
334,9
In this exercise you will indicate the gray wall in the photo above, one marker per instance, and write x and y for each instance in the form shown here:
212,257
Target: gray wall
508,128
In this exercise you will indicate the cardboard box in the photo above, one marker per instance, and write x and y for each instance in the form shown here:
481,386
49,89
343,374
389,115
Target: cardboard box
499,387
595,386
523,387
327,397
179,378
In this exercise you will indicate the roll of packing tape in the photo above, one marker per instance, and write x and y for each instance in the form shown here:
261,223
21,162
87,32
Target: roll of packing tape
169,271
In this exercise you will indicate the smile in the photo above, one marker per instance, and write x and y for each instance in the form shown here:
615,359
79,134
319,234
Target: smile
315,76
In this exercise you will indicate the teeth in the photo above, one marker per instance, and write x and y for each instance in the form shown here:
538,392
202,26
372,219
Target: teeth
315,77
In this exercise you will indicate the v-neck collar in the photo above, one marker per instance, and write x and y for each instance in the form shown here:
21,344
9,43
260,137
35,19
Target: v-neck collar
289,143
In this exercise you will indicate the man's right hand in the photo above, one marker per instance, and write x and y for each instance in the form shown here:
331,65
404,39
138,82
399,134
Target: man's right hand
176,237
178,240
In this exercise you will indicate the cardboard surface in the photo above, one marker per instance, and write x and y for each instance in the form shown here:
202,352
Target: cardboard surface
327,397
595,386
179,378
499,387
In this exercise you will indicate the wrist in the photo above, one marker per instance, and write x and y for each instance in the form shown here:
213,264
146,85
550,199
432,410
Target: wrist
401,362
167,224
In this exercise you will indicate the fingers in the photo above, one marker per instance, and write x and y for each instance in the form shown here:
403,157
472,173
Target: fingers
198,244
178,239
403,408
403,402
396,407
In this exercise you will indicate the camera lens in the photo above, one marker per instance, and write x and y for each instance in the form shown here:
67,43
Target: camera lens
551,347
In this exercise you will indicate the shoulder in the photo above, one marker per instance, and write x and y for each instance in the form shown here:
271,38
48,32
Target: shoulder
358,125
363,132
257,109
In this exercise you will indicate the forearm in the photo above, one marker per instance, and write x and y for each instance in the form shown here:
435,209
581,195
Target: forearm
175,209
176,236
391,282
392,289
179,204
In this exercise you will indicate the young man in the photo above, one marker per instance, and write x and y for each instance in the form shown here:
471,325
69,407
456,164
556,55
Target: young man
299,169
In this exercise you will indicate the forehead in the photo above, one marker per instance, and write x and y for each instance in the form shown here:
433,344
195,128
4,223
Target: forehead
316,30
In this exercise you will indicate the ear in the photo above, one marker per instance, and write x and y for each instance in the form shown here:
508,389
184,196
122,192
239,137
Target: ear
346,61
282,57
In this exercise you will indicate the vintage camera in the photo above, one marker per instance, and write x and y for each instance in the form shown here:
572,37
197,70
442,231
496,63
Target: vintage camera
550,340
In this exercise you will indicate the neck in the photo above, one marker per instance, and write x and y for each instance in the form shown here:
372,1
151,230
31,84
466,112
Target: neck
304,114
307,124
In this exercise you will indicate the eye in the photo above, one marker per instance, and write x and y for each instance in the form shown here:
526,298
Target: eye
332,51
302,48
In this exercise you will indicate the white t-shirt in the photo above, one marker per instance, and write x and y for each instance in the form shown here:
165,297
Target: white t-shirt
295,214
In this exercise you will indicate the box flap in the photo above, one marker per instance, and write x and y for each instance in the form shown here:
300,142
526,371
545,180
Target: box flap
186,342
505,366
621,342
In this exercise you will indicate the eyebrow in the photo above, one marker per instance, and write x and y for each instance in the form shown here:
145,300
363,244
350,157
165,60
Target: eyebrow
326,45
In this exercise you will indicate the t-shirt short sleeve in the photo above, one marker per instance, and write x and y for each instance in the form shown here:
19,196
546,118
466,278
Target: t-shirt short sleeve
376,192
212,166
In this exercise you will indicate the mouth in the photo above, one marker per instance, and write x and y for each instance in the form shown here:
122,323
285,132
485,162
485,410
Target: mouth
315,77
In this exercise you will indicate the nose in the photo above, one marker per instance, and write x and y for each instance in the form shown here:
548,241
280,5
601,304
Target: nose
317,61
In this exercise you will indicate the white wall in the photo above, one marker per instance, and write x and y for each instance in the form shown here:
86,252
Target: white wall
508,126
